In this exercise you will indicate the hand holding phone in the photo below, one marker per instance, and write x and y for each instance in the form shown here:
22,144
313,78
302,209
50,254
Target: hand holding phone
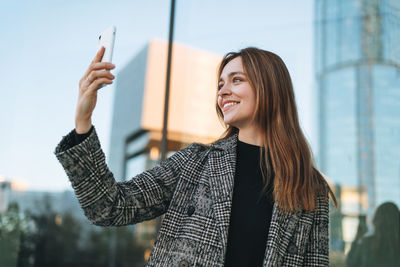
96,76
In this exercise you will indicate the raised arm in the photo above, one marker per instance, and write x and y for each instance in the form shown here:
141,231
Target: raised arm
106,202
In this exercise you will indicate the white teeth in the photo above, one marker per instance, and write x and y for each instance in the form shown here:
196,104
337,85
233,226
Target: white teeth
230,104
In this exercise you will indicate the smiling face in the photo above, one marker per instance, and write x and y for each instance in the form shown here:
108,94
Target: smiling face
236,98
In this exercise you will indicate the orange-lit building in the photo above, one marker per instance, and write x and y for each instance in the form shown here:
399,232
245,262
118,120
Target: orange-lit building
139,106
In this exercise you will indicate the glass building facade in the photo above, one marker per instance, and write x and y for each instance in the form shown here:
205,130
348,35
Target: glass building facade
357,67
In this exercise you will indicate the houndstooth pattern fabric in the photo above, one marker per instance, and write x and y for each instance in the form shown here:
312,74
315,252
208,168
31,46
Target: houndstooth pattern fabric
193,188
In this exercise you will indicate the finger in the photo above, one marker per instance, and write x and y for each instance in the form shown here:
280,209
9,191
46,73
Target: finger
99,55
102,65
95,84
98,66
99,74
97,58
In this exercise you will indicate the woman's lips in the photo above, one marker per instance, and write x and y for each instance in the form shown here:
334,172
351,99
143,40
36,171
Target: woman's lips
229,107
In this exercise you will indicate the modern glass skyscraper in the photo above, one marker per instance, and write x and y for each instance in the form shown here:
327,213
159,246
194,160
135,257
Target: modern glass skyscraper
358,77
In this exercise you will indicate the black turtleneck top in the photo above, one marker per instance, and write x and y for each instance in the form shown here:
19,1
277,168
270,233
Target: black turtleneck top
79,138
250,217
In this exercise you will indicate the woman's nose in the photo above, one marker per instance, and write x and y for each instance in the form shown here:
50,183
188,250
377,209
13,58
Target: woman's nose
224,90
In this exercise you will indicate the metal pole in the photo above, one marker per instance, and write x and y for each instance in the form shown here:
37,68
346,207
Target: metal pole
168,81
167,86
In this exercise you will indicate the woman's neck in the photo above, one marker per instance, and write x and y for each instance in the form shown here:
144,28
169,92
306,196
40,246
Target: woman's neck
250,136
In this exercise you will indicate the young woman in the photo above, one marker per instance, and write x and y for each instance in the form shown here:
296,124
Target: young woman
252,198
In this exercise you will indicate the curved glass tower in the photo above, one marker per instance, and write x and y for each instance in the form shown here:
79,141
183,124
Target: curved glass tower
358,77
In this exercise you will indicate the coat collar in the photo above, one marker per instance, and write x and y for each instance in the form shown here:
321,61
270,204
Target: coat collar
223,169
226,143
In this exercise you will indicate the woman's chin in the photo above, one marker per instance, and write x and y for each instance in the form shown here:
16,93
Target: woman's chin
229,123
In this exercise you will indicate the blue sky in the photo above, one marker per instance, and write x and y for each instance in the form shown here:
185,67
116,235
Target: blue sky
46,46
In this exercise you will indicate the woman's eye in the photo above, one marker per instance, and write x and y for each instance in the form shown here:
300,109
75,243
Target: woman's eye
236,79
220,86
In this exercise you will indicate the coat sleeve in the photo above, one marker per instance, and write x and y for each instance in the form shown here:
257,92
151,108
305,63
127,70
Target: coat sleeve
106,202
317,252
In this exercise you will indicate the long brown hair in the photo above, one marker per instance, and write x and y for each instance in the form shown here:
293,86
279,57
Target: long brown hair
285,153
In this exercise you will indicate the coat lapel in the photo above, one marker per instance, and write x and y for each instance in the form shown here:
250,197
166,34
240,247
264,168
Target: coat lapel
281,231
222,165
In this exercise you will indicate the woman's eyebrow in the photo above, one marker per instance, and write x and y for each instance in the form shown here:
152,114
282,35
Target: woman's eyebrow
232,74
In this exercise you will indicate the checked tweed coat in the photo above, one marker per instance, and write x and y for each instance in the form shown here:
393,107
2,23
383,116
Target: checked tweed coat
193,188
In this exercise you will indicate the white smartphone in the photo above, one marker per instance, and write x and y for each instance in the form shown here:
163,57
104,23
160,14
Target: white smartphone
106,39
